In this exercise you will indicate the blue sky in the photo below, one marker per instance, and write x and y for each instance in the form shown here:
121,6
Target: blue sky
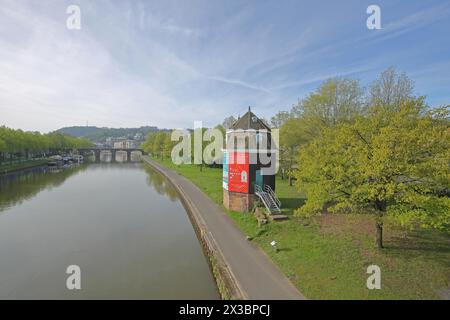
169,63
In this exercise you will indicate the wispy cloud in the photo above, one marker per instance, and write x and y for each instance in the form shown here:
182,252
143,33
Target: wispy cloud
168,63
414,21
238,83
314,78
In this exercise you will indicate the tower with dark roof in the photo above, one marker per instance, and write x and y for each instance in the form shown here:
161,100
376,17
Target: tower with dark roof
248,144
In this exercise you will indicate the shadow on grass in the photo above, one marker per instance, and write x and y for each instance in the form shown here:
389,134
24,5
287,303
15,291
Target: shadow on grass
288,205
434,245
260,232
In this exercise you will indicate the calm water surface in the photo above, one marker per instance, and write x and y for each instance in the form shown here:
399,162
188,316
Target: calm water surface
122,224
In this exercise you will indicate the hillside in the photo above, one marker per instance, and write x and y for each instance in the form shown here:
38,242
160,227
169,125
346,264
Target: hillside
97,134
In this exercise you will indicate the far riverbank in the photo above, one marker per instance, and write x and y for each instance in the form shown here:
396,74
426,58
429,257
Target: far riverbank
20,166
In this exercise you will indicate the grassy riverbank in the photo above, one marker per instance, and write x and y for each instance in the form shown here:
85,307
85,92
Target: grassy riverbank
6,168
327,257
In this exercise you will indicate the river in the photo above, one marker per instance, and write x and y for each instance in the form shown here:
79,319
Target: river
122,224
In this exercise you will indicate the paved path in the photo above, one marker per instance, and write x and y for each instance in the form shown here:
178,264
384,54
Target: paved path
256,274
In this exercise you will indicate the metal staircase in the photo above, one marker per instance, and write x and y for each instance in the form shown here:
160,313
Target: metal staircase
269,199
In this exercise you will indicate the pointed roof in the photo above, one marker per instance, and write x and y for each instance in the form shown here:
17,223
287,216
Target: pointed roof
250,121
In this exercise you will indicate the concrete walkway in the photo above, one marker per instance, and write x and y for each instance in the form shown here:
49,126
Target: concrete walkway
256,275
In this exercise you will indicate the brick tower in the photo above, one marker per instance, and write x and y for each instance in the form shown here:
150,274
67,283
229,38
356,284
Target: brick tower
248,144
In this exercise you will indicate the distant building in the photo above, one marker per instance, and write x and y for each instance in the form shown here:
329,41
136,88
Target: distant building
125,144
139,137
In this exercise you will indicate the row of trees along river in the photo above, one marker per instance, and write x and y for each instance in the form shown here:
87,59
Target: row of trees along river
18,145
379,150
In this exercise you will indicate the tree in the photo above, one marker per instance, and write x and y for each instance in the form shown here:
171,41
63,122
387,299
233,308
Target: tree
20,143
394,164
296,110
279,119
336,101
147,145
228,122
197,151
167,144
2,149
291,138
390,89
158,144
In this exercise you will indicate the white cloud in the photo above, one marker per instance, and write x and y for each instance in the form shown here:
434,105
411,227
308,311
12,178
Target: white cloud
59,77
169,63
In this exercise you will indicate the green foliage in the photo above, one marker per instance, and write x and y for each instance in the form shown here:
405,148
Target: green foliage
391,162
18,141
2,145
335,101
159,144
329,260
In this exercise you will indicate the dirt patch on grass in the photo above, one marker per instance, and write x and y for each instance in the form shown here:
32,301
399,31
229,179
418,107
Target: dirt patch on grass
360,229
340,224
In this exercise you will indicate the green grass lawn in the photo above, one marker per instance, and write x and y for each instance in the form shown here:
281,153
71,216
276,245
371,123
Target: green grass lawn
327,257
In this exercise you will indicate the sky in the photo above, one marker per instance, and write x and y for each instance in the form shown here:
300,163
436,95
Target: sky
170,63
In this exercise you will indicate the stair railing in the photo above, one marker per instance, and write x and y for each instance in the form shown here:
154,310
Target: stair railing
269,190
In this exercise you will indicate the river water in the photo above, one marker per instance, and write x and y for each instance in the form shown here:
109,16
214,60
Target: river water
122,224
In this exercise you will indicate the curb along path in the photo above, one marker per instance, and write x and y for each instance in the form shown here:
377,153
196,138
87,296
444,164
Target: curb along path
244,269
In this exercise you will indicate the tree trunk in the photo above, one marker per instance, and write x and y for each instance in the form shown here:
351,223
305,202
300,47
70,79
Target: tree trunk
379,238
380,205
290,180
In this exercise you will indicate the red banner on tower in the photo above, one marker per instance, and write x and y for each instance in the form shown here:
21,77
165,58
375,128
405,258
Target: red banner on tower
238,172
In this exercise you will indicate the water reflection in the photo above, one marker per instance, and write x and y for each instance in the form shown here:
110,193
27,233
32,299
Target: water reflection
159,183
131,240
21,186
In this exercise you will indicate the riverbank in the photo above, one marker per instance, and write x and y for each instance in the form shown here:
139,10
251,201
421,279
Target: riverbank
327,257
15,167
241,269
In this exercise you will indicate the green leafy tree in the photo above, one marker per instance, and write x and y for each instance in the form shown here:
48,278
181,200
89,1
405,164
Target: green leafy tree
393,163
168,144
158,144
2,150
291,139
202,146
22,144
147,145
336,101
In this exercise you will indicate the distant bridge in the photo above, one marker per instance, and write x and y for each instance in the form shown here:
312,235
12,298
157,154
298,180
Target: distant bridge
98,150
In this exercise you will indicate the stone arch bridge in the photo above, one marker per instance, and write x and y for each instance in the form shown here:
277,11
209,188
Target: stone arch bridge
113,152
